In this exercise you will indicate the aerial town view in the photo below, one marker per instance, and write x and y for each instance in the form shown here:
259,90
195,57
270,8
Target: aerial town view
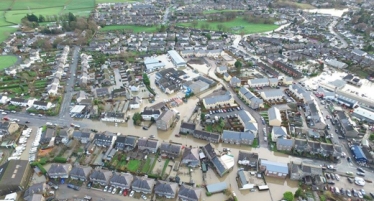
187,100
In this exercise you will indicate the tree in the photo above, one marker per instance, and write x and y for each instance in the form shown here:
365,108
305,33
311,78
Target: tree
71,17
288,196
238,64
371,137
41,18
219,27
202,116
146,79
250,64
32,18
162,28
137,118
298,193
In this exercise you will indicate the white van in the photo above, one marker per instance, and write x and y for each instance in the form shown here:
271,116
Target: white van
13,158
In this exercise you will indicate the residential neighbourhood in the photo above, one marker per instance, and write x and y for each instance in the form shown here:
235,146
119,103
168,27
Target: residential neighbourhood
183,101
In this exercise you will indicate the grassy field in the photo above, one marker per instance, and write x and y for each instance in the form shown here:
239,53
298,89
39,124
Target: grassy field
134,28
220,11
15,16
247,28
79,7
37,4
6,61
5,31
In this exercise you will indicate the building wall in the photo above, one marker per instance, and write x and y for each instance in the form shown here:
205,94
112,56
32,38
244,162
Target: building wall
275,122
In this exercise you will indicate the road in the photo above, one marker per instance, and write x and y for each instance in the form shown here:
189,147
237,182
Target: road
332,25
64,110
166,14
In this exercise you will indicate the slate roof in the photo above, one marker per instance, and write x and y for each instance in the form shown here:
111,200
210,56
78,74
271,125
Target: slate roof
124,179
151,143
35,188
101,175
218,98
80,171
170,148
166,187
243,155
219,165
143,183
285,142
190,154
189,192
187,125
274,113
210,150
59,169
279,130
237,136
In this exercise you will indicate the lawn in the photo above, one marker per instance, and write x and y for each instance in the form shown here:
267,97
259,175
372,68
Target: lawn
134,28
6,61
79,7
37,4
15,16
146,166
133,165
220,11
247,28
5,31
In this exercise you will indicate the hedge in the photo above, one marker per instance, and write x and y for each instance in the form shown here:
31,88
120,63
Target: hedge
60,160
40,166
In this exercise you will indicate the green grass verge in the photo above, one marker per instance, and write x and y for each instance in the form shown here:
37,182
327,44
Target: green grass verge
146,166
134,28
247,28
133,165
165,166
6,61
5,32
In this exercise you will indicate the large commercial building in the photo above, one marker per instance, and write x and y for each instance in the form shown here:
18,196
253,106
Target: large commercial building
14,176
177,60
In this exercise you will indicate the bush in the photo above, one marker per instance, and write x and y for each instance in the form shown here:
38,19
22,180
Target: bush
208,193
40,166
60,160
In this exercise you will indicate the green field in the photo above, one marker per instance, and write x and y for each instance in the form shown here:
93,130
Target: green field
113,1
134,28
37,4
221,11
6,61
79,7
15,16
5,31
247,28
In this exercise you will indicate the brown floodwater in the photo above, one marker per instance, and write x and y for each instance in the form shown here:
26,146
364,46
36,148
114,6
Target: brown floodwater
277,186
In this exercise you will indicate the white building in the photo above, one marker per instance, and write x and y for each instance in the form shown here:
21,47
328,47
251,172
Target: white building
153,64
177,60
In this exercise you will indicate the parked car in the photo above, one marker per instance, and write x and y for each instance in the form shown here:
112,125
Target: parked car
327,175
106,188
360,174
132,193
350,180
348,193
120,191
144,197
89,185
110,189
360,170
125,192
114,190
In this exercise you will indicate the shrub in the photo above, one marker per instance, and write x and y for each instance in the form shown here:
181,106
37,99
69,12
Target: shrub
60,160
208,193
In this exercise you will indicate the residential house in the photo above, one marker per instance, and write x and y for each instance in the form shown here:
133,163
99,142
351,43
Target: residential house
121,180
234,137
80,173
345,125
166,189
170,150
299,171
8,128
42,105
221,69
270,95
314,115
57,170
135,102
259,82
190,157
287,80
38,188
101,177
227,77
102,92
285,144
188,193
149,114
336,64
125,143
248,159
82,136
218,164
250,98
19,102
187,128
103,140
65,134
235,82
47,136
278,132
273,169
211,102
243,180
298,91
208,136
3,99
165,120
143,185
148,145
288,69
274,115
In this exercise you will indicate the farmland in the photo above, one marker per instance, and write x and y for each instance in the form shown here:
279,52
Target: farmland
221,11
235,26
5,31
134,28
6,61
